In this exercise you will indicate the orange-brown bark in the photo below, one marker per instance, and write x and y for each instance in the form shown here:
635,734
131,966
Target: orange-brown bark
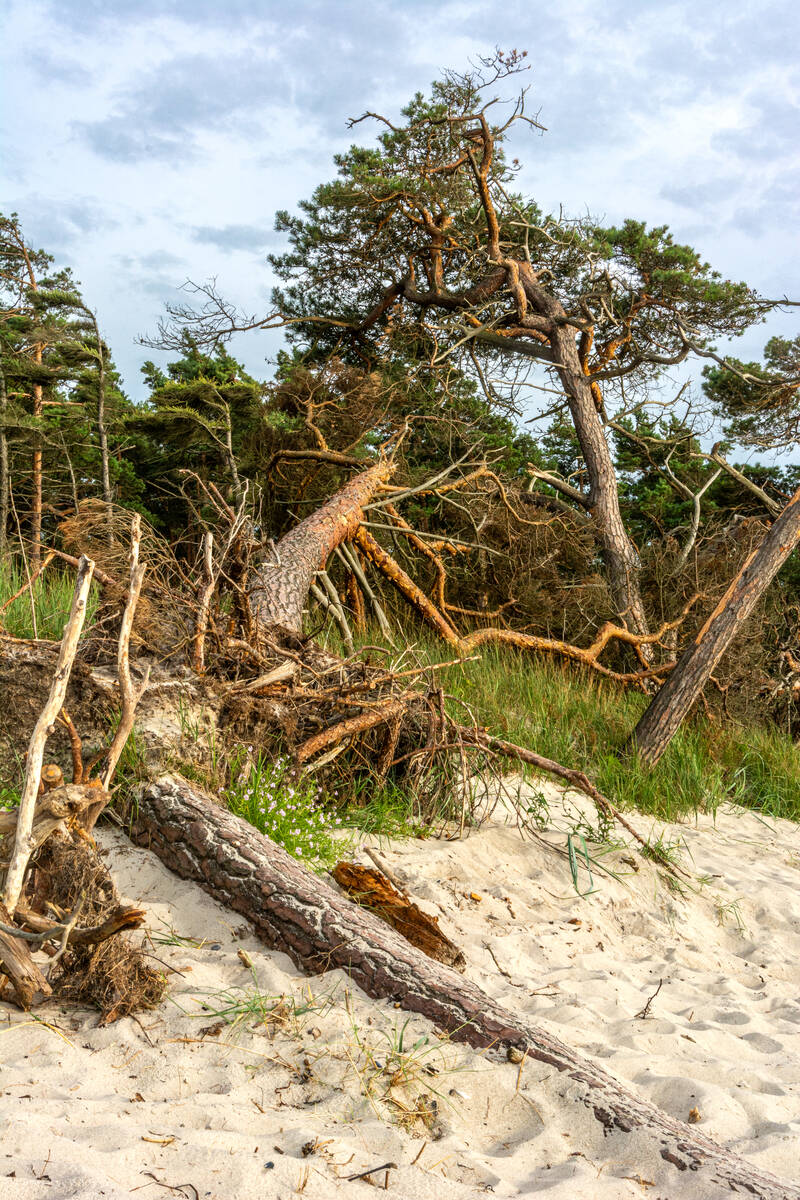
282,582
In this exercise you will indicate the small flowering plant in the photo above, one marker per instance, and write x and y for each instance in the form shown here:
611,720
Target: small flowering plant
288,809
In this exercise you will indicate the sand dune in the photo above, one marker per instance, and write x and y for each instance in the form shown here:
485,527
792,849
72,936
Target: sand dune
326,1089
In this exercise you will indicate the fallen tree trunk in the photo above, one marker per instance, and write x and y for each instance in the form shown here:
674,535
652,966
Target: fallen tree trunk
281,585
661,721
298,913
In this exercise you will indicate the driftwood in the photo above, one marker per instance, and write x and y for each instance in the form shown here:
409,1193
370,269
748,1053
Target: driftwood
130,695
18,968
296,912
373,890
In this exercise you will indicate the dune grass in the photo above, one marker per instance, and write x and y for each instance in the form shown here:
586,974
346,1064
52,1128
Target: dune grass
52,598
582,720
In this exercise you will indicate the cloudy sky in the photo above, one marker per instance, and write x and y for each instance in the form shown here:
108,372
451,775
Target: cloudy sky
147,141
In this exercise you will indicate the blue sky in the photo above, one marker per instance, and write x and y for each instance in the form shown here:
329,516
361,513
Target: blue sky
147,142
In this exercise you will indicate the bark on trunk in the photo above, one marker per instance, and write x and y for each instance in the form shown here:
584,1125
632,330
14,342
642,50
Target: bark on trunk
16,965
5,479
619,553
101,423
36,477
672,703
282,583
296,912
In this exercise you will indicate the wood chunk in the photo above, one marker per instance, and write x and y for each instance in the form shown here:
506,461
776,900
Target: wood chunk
371,889
29,984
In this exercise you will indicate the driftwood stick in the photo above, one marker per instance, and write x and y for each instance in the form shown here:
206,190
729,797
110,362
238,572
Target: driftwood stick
40,929
203,605
129,694
23,843
296,912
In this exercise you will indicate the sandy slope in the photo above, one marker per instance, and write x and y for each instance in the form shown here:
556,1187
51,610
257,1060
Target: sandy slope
84,1107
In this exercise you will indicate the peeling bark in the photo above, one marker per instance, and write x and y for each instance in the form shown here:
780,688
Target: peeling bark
282,583
295,912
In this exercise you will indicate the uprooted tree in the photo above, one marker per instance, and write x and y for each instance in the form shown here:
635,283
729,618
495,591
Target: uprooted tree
321,706
419,273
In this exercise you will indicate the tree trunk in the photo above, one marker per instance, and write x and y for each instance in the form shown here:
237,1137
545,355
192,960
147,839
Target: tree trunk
300,914
671,704
38,409
5,478
281,585
101,423
619,554
36,477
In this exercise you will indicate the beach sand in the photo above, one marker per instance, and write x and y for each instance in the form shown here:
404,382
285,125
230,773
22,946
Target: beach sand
334,1083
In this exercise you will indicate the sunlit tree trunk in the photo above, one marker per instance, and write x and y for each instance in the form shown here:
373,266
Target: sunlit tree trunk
619,554
682,689
5,480
38,409
282,583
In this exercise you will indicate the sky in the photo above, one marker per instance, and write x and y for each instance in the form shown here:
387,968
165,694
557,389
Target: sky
146,142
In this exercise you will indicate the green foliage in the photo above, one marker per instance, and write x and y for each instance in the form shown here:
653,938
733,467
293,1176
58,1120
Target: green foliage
388,811
288,809
9,798
759,402
56,374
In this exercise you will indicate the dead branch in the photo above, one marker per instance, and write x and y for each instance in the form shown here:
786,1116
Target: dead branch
28,584
76,746
334,734
350,558
576,779
130,695
206,591
405,585
42,930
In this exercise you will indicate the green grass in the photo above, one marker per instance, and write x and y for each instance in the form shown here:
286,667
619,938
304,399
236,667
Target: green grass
387,811
9,798
581,720
52,599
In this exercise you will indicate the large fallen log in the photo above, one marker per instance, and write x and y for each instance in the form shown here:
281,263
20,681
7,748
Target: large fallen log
298,913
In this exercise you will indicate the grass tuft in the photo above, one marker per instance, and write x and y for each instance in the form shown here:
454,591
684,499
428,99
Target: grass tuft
52,599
